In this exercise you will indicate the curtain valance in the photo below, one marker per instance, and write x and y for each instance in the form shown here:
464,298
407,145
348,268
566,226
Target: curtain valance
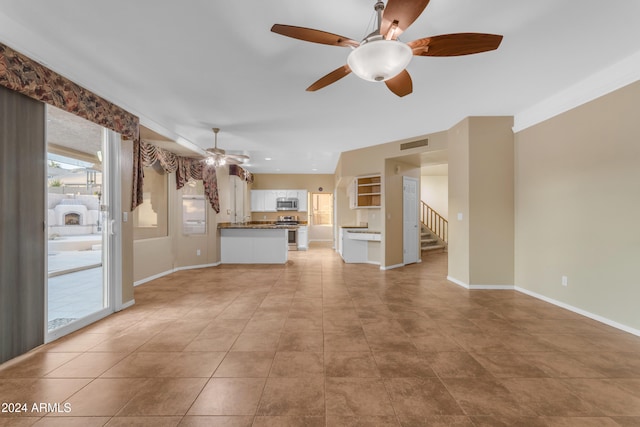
243,174
26,76
186,168
23,75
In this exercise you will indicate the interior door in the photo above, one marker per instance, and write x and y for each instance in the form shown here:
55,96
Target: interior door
410,228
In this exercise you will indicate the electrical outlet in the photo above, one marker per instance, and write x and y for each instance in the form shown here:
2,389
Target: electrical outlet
197,252
565,281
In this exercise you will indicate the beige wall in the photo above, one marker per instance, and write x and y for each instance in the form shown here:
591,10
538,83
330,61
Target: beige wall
491,209
481,189
434,190
578,204
158,256
382,159
459,202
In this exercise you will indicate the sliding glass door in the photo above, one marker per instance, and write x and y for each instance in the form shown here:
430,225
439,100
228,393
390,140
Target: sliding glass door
80,227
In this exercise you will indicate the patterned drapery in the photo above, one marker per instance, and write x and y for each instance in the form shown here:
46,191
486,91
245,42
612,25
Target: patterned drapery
24,75
186,168
241,173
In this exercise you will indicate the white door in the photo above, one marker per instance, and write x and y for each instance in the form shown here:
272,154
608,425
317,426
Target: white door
410,228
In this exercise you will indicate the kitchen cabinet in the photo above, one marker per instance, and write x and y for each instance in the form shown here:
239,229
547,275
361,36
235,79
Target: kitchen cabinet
257,201
253,246
303,201
269,200
265,200
368,191
303,238
354,245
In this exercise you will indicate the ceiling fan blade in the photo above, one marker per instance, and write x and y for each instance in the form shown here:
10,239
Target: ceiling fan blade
314,36
398,15
238,157
401,84
455,44
332,77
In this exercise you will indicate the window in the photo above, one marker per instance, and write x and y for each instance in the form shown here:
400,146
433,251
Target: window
151,218
194,209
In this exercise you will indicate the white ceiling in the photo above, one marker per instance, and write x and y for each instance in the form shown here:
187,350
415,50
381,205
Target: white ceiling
185,67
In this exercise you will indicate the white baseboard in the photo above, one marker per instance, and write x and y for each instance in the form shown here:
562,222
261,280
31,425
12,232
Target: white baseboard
580,311
481,287
154,277
391,267
166,273
492,287
457,282
195,267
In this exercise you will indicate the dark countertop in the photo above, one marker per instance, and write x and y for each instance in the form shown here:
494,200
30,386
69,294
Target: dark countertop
259,226
354,226
364,231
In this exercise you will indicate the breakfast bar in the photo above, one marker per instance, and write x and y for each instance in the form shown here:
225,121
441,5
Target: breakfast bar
254,243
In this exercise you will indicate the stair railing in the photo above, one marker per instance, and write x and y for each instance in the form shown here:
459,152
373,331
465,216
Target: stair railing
434,222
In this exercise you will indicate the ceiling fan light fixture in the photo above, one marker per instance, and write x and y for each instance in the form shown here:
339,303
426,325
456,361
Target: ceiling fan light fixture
379,60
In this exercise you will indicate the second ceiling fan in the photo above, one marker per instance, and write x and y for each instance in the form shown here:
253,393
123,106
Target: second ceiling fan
381,56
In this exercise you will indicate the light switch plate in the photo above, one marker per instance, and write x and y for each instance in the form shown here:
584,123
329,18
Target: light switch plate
459,216
125,216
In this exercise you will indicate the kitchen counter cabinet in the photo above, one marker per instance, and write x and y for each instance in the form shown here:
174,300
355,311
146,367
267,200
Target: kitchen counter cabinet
250,245
355,244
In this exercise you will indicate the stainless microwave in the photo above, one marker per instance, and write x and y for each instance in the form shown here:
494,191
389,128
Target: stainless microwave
286,204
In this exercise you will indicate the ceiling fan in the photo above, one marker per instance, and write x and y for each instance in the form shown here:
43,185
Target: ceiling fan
381,56
218,157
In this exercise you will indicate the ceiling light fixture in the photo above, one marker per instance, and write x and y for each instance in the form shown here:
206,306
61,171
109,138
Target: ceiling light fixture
377,59
218,157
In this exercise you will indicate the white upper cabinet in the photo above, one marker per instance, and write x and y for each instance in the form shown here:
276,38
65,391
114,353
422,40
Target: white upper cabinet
303,201
265,200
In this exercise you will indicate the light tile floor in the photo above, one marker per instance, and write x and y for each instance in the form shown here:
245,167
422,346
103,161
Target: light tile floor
318,342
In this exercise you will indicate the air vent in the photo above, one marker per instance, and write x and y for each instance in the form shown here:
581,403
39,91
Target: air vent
414,144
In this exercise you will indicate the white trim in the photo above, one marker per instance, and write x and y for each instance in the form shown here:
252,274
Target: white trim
127,304
601,83
390,267
150,278
174,270
492,287
77,324
580,311
194,267
457,282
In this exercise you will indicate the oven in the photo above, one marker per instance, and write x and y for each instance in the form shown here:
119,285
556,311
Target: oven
292,239
292,233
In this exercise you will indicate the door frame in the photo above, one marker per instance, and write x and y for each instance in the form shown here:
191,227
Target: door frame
111,241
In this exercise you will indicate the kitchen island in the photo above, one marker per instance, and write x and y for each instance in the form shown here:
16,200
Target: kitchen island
254,243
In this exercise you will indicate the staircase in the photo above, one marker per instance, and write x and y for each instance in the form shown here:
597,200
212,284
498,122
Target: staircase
434,229
429,241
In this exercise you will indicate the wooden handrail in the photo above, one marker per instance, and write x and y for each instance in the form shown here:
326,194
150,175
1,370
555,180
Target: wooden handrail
434,221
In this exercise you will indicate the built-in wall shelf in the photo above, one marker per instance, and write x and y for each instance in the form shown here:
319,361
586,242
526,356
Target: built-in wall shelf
368,191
